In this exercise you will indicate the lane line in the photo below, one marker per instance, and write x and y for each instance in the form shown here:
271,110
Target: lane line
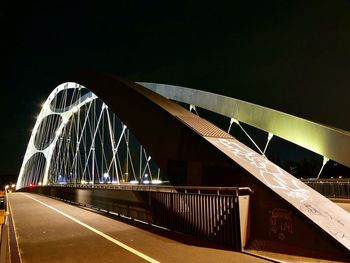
13,228
126,247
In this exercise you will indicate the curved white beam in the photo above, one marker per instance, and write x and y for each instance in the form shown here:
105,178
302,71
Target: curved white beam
329,142
46,110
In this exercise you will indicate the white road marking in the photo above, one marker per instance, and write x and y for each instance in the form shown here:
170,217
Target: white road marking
14,230
126,247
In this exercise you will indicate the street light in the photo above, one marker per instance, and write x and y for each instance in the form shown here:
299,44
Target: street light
106,177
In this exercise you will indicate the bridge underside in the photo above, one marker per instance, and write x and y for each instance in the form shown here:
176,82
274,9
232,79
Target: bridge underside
285,215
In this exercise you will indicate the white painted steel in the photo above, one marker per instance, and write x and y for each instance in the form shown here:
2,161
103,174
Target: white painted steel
327,141
92,125
46,111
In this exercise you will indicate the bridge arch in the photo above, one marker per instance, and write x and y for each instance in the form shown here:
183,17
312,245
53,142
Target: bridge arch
192,151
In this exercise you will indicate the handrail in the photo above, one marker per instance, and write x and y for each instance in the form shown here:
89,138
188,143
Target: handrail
159,188
209,213
332,188
4,237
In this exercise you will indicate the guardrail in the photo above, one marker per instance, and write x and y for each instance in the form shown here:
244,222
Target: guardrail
159,188
208,213
4,228
332,188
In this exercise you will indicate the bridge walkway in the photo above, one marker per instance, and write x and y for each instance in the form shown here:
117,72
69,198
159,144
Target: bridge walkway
48,230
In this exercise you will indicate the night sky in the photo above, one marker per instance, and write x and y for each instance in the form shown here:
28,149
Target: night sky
293,56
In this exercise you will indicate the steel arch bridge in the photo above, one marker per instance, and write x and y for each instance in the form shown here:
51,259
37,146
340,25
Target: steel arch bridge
77,139
106,130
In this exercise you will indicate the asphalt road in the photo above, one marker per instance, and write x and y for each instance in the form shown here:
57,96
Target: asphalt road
48,230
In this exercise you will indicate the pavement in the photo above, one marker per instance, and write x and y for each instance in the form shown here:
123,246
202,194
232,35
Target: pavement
48,230
343,203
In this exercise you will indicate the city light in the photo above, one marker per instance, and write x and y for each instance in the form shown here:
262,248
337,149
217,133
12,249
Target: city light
156,181
134,182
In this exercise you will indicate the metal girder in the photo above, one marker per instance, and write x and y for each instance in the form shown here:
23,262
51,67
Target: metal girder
327,141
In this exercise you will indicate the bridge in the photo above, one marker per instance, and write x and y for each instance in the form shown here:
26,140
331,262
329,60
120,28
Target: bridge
132,150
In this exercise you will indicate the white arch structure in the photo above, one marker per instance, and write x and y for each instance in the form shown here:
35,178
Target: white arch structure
115,140
47,111
324,140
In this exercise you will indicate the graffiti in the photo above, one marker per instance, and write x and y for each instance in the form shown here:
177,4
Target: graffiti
270,173
330,217
281,223
310,209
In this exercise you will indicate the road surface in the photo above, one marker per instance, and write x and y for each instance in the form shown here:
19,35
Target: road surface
48,230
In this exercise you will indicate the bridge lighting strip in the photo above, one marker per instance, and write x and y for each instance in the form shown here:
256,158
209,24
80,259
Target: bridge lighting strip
109,238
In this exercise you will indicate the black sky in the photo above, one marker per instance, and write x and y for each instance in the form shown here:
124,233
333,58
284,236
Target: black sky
293,56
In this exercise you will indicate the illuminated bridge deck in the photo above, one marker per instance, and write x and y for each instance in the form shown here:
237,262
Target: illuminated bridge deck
48,230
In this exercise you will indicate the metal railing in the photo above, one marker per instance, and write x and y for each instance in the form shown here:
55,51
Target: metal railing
332,188
208,213
4,229
207,216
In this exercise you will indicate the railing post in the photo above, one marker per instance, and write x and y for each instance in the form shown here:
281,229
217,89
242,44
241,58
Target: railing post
171,226
243,203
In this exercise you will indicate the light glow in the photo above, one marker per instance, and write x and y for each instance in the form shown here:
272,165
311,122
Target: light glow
233,120
75,109
134,182
156,181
